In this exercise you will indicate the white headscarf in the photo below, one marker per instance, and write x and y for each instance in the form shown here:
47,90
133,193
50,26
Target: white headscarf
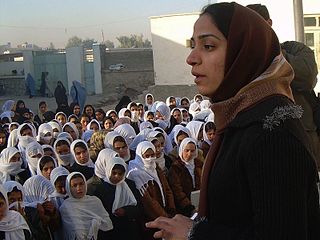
14,124
25,140
109,140
145,125
8,115
162,124
39,172
168,100
12,223
60,113
8,105
194,128
86,136
105,155
8,168
145,115
164,110
65,135
33,149
142,170
13,138
37,190
44,128
55,125
142,136
146,102
89,163
189,164
9,186
168,145
83,218
160,161
123,194
176,130
54,175
122,111
205,104
93,121
194,108
46,146
65,159
74,128
205,136
127,132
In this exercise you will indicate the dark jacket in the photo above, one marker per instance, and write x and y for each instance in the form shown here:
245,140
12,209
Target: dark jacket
181,184
264,181
87,172
126,227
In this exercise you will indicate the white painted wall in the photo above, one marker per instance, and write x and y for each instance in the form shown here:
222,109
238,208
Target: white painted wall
75,65
28,62
169,34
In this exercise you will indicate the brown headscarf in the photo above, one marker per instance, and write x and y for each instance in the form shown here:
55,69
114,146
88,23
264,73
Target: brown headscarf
254,70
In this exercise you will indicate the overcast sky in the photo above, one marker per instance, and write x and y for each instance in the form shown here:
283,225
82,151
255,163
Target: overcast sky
44,21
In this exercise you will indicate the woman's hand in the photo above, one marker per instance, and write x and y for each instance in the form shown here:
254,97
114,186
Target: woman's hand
120,212
176,228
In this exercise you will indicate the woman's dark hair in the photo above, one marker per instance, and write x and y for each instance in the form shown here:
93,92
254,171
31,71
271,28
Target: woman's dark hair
181,132
84,115
220,17
100,110
44,160
119,167
108,118
127,111
80,145
25,127
86,106
209,126
77,175
61,143
14,189
61,178
150,113
42,103
119,139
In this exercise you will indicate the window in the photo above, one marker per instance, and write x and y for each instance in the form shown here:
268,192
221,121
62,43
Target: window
309,39
310,21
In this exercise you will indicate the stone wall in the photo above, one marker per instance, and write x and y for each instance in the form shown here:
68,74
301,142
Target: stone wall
12,85
135,74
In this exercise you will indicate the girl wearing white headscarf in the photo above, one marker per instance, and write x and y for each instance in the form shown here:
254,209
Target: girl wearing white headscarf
209,132
56,128
12,223
205,105
157,198
24,139
72,129
177,134
45,134
185,176
38,205
124,112
13,138
13,125
145,125
194,108
171,102
163,113
58,178
48,150
126,131
10,164
34,152
167,143
148,102
123,150
82,215
80,152
118,195
196,130
45,166
142,136
62,148
61,117
94,125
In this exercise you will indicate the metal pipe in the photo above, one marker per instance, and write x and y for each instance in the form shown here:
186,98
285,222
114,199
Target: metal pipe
298,20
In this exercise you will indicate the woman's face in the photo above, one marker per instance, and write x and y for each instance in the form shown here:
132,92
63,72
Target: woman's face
70,130
211,134
208,54
82,154
76,110
116,175
89,111
78,187
3,139
60,184
47,169
3,208
108,124
94,127
84,122
189,151
177,115
15,158
62,119
121,148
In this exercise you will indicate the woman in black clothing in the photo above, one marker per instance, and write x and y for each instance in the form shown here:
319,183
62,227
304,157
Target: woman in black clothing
260,178
60,94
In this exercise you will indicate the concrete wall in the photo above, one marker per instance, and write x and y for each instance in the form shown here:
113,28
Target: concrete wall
7,67
75,65
12,85
136,76
169,35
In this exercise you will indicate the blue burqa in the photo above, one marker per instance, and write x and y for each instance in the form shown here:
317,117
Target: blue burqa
78,94
31,85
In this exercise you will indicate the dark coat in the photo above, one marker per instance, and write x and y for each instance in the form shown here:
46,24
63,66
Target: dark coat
127,227
181,184
87,172
263,184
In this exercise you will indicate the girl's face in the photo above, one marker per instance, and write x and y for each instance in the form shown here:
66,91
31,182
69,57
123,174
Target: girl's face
82,154
3,208
76,110
149,100
127,113
210,134
70,130
188,152
47,169
15,158
63,149
159,116
84,122
114,116
89,111
177,115
158,148
43,108
116,175
150,117
94,126
60,184
108,124
14,196
149,154
172,101
62,119
49,152
180,138
185,104
208,54
99,116
78,187
121,148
